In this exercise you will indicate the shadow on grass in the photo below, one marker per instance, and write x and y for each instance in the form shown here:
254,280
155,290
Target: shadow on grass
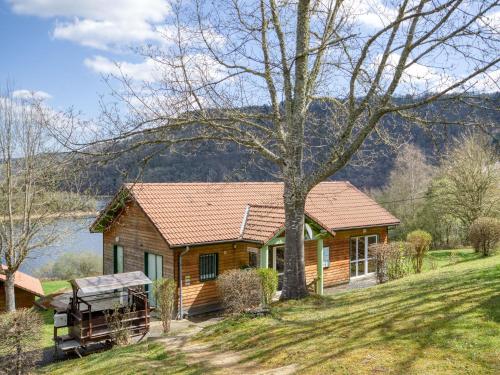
140,358
435,311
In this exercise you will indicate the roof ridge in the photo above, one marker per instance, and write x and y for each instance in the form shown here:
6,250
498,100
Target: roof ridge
265,205
225,183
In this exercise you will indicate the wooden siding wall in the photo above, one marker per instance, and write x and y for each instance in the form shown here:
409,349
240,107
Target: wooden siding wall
338,272
23,298
137,235
197,293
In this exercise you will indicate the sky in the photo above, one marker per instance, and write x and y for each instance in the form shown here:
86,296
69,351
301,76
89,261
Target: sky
61,48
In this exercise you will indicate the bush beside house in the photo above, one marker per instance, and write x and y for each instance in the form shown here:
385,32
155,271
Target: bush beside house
393,260
164,291
269,284
240,290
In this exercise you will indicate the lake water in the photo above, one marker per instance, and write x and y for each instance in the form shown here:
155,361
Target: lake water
75,238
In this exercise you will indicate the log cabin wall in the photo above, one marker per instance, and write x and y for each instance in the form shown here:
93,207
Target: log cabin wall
23,298
338,272
199,295
133,230
137,234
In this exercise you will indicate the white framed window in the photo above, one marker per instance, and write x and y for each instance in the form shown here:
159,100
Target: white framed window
362,263
326,257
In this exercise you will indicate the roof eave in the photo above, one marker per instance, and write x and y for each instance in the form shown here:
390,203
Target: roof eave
367,226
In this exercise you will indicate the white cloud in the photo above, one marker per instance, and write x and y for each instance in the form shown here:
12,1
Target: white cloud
201,67
371,13
97,23
29,94
417,78
491,20
148,70
487,83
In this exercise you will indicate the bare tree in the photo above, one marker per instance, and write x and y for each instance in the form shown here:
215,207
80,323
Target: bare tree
407,186
31,176
468,184
250,72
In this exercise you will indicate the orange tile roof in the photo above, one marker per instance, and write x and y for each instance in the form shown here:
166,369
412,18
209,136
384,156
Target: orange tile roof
26,282
195,213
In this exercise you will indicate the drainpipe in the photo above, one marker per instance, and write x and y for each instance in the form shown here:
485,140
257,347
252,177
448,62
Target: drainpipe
180,315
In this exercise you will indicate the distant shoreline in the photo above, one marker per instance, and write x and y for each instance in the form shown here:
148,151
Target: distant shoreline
64,215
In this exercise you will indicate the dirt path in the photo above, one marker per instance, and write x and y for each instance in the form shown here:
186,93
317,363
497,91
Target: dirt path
215,362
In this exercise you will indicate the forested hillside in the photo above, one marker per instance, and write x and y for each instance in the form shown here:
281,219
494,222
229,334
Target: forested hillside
213,162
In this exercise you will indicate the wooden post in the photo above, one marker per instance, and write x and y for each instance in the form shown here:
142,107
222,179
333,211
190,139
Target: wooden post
264,256
319,251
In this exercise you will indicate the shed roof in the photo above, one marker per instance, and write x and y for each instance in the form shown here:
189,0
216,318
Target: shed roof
104,283
196,213
26,282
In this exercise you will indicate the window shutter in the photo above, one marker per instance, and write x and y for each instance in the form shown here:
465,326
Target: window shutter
115,260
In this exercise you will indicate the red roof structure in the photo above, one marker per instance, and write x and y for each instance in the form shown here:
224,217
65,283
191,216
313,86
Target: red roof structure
26,282
196,213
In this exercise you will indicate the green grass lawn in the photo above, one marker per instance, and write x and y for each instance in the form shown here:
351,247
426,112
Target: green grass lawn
445,258
50,287
53,286
443,321
144,358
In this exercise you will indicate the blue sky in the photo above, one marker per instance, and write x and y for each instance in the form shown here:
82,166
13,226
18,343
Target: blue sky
33,60
49,45
61,47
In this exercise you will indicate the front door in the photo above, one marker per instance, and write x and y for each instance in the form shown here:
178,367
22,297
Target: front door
361,261
277,262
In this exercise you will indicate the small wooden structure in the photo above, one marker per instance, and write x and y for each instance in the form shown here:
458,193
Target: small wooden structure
94,300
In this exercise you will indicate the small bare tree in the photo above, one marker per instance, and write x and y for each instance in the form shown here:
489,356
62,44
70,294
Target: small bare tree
407,186
302,83
164,291
20,332
468,185
32,172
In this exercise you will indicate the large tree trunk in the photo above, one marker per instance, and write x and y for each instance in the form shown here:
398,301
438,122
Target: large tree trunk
294,282
10,296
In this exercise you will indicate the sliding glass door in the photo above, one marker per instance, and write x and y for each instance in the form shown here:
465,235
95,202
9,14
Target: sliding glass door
361,262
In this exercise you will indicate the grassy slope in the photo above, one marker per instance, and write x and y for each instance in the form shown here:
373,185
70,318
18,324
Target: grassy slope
445,321
144,358
442,321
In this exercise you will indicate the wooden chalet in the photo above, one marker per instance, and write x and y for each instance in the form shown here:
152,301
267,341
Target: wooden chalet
193,232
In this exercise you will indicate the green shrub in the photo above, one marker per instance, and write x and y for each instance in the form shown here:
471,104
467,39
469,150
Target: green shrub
484,234
420,241
239,290
269,284
392,260
164,291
